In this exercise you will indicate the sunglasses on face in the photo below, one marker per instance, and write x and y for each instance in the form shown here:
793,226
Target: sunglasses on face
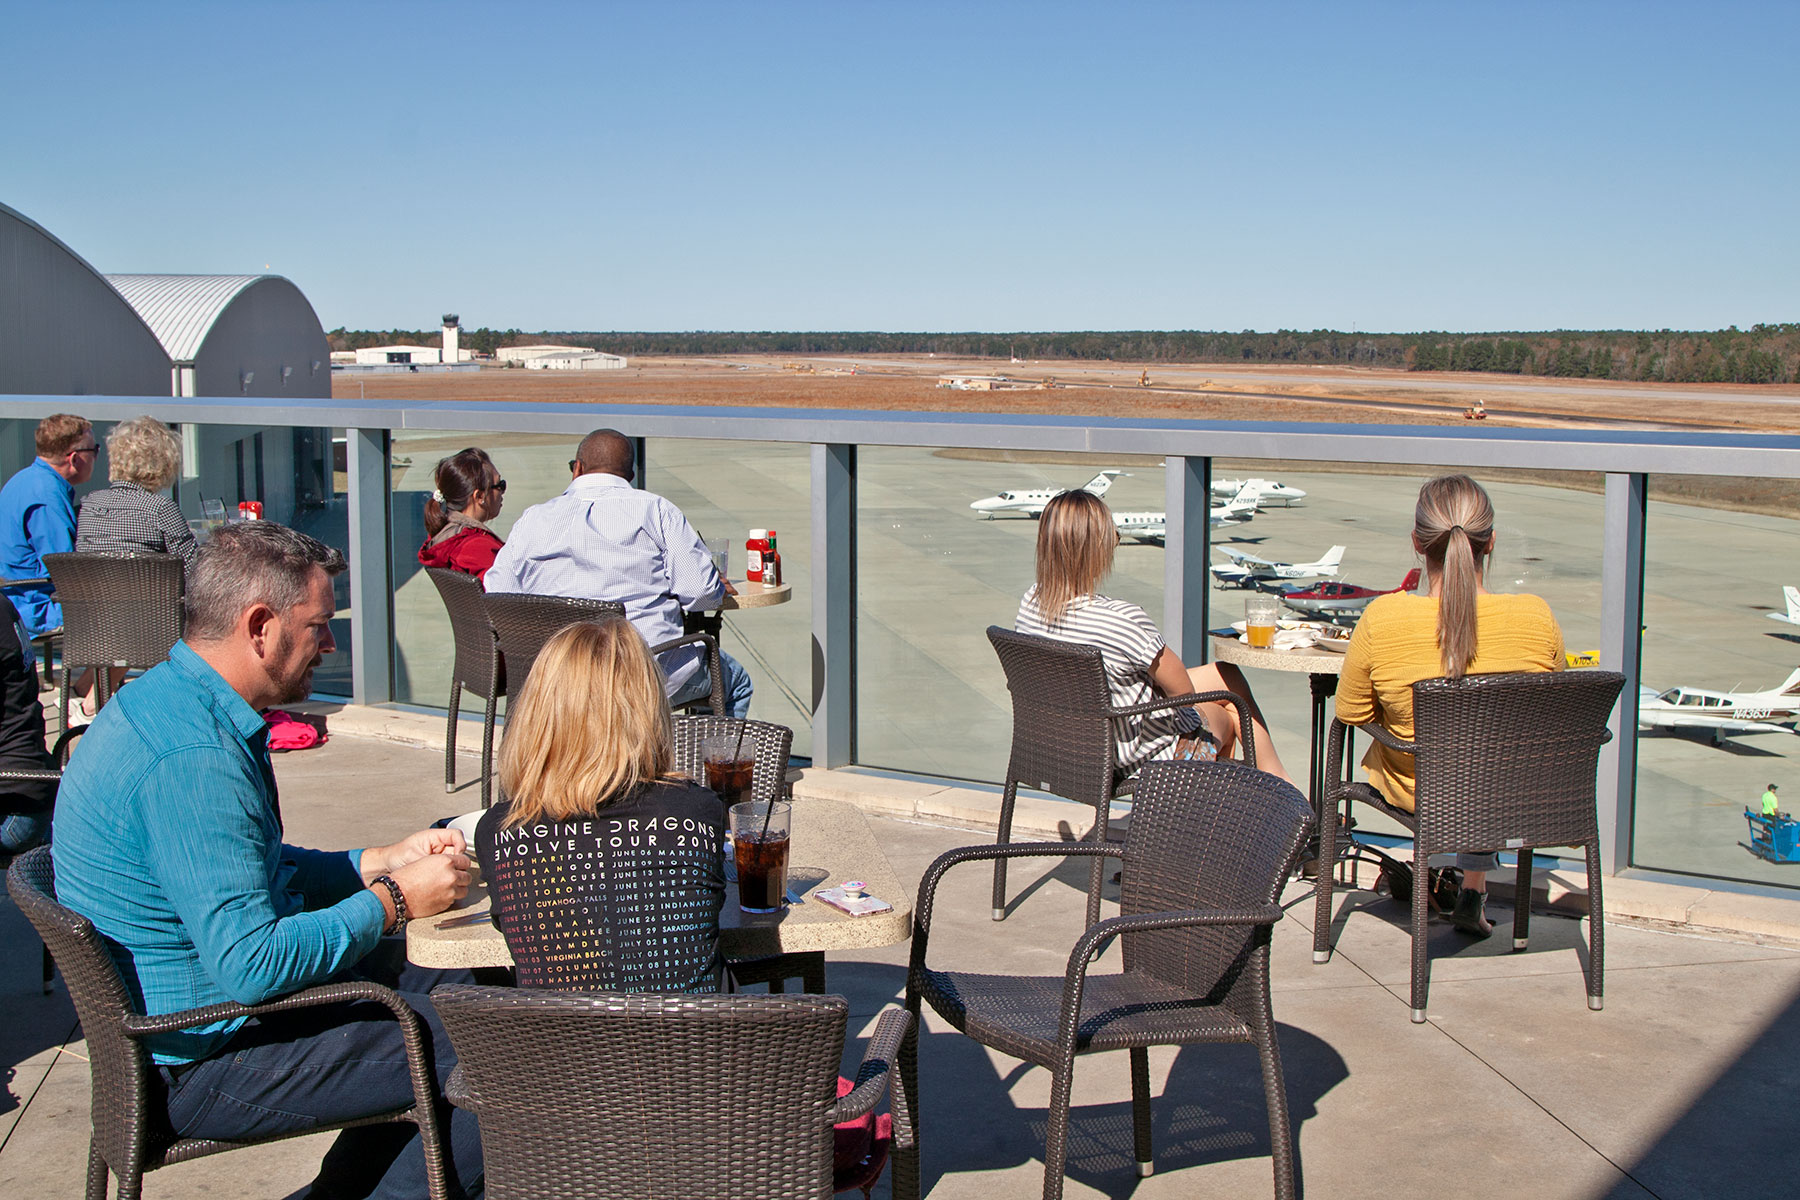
499,485
94,449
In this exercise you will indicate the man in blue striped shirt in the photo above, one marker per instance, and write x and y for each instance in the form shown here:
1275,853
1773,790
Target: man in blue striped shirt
168,838
603,539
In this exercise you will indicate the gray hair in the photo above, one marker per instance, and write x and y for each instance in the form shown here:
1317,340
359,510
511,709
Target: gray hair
249,563
144,452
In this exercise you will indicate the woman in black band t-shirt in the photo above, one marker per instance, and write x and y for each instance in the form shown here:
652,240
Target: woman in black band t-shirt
606,873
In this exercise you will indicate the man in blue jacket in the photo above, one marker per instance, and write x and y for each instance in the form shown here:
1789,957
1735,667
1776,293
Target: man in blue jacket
168,838
37,513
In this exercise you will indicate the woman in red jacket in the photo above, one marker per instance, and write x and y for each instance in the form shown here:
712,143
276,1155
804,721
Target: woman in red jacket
469,494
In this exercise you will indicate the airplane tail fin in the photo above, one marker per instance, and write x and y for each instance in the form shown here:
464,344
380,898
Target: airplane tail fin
1792,595
1791,685
1333,557
1099,483
1412,581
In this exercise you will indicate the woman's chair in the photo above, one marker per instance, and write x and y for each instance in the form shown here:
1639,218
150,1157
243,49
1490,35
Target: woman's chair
603,1094
119,610
129,1132
477,667
1064,738
523,623
1209,848
1502,762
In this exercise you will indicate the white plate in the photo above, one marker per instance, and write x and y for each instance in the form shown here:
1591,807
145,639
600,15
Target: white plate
1332,644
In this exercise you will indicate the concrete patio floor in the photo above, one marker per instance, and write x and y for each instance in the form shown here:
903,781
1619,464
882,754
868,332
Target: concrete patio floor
1685,1086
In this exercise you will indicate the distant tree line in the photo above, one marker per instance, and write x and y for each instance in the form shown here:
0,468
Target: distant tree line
1760,354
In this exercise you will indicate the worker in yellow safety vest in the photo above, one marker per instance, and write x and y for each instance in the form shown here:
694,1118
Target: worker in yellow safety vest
1769,804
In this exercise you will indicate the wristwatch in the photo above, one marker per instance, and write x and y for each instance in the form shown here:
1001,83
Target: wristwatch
399,899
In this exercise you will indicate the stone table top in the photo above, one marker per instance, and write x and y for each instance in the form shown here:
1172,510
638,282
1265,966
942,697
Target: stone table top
756,595
832,842
1311,660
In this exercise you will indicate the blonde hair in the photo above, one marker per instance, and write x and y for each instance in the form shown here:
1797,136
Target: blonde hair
589,727
143,452
1453,527
1075,543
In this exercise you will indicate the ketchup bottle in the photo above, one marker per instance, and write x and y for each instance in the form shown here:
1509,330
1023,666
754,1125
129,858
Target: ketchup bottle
760,544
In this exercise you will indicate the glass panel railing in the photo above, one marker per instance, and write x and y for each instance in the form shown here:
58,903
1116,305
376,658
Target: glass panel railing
1715,716
724,488
932,575
1548,538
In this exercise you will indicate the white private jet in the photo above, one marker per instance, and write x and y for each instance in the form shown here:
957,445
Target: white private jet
1246,569
1031,501
1722,713
1153,526
1263,491
1792,615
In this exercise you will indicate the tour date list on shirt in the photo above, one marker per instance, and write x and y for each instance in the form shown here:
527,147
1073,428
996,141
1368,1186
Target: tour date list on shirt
625,901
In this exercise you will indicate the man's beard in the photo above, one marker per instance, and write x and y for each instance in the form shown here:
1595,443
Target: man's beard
300,686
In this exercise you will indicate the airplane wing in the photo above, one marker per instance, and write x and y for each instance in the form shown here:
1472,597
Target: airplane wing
1243,557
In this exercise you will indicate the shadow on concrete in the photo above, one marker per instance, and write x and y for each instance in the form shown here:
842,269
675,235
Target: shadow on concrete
33,1021
1737,1138
1210,1110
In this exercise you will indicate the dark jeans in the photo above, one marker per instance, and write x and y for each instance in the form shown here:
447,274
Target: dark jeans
319,1066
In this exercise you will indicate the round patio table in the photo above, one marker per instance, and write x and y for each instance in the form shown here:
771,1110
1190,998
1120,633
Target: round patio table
1322,668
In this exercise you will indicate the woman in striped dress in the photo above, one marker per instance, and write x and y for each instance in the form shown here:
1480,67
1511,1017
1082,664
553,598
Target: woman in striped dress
1076,540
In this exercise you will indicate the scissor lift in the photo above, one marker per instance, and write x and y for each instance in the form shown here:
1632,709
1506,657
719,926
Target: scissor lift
1775,838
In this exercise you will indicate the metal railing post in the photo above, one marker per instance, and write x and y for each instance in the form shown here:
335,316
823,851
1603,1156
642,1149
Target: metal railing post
1187,496
371,570
833,603
1621,642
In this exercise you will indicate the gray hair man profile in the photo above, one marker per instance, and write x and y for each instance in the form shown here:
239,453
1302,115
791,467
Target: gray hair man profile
167,836
603,539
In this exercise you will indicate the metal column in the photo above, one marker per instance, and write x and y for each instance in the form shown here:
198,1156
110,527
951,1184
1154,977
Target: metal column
833,603
1621,626
371,571
1187,485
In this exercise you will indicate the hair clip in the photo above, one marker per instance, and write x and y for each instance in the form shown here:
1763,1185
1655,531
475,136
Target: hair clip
437,495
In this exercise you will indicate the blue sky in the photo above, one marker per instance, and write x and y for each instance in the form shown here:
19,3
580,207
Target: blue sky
927,166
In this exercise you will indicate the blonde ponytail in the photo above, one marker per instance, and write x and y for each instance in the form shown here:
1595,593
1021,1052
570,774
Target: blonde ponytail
1453,526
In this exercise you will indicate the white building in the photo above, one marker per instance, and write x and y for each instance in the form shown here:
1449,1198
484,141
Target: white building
375,356
519,354
583,360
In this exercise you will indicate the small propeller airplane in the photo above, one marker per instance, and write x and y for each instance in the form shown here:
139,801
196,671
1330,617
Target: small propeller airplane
1336,601
1153,526
1031,501
1722,713
1792,615
1263,490
1247,570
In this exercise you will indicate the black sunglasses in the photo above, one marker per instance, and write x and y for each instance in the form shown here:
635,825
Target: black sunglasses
499,486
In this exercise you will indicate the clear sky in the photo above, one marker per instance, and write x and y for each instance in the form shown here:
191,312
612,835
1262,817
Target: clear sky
929,166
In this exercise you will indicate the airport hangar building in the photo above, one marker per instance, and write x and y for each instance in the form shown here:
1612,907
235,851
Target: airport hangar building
67,330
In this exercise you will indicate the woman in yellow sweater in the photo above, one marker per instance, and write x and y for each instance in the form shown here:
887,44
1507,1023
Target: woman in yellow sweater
1459,628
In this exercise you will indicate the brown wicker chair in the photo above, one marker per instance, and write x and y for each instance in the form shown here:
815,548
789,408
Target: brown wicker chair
1062,736
601,1094
119,610
1208,851
478,668
524,622
772,745
58,753
129,1135
1503,762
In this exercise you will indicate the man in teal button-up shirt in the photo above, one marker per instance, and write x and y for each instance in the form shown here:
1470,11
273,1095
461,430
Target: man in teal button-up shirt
168,837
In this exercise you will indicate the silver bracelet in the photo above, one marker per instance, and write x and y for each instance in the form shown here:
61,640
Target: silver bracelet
399,899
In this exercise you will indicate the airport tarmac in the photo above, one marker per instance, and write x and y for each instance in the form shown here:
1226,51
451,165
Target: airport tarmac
933,575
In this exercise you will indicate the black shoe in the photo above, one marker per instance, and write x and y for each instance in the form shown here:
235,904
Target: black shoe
1470,915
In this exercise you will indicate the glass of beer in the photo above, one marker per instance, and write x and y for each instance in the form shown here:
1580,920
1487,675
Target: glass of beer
759,837
1259,621
730,762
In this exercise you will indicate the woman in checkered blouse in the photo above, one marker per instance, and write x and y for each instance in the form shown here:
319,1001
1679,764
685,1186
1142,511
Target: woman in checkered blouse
133,516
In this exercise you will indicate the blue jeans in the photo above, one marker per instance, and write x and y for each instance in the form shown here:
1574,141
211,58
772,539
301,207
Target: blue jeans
19,832
318,1066
738,687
